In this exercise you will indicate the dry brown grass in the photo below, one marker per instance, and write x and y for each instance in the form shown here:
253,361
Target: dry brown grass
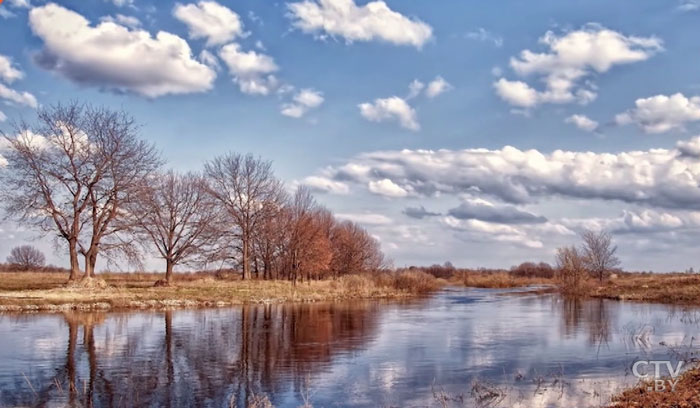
685,395
495,280
653,288
36,291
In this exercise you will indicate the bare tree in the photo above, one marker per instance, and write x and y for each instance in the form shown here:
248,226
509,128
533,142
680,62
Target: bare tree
248,192
26,258
571,270
354,250
177,216
599,253
48,176
72,172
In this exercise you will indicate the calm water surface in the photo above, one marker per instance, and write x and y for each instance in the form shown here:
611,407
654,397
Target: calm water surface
467,347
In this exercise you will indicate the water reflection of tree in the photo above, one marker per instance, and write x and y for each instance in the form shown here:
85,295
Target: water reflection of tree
591,315
211,358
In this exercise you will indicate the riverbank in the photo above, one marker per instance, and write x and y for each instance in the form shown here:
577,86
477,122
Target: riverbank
27,291
685,394
678,289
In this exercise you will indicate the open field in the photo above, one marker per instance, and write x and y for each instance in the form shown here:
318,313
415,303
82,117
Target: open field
27,291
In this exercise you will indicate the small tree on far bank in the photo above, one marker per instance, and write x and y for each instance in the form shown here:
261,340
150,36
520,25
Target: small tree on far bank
26,258
599,253
571,270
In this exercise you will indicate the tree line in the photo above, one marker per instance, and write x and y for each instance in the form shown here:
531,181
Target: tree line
82,174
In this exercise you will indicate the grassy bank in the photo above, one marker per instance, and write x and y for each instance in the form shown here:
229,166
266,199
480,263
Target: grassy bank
682,289
685,394
28,291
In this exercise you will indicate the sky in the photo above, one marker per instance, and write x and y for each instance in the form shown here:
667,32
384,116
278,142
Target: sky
485,134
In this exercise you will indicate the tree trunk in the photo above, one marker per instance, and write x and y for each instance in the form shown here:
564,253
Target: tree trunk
74,263
168,271
246,261
90,261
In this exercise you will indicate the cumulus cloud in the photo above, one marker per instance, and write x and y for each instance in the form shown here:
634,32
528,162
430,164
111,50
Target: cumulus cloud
437,87
415,88
320,184
114,57
252,71
582,122
487,231
22,98
483,210
365,218
128,21
647,221
419,212
392,108
303,101
8,72
568,64
657,177
661,113
482,34
387,188
372,21
210,20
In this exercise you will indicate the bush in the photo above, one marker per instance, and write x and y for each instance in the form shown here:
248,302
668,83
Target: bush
415,282
533,270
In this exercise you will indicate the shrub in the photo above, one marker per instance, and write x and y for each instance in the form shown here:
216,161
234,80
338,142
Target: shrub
415,282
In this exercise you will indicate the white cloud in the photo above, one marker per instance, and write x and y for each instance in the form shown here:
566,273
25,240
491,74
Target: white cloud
303,101
20,3
582,122
128,21
322,184
372,21
392,108
250,70
492,231
122,3
436,87
8,73
209,60
569,62
667,178
22,98
210,20
387,188
111,56
366,218
3,117
661,113
516,93
415,88
481,34
689,5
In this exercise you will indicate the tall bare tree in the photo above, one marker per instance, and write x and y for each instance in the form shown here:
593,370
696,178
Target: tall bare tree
249,193
26,257
177,216
72,172
599,253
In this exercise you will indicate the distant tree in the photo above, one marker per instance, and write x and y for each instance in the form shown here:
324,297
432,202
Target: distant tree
249,194
571,269
26,258
599,253
354,250
177,216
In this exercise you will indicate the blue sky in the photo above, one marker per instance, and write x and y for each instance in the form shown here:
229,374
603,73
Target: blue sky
384,108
